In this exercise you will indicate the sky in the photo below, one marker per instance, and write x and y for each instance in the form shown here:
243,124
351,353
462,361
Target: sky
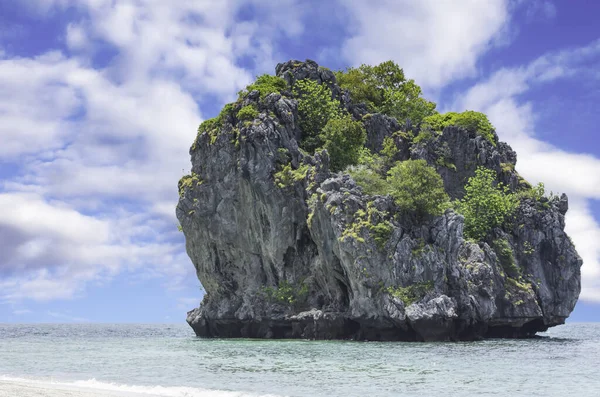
100,101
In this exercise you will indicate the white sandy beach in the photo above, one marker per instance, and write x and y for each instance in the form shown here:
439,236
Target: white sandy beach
15,387
23,389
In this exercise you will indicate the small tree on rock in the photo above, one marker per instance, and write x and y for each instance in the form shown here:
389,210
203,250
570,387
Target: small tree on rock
417,187
486,204
344,139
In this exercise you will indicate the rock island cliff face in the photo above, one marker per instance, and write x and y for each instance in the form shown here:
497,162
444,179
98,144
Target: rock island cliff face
286,248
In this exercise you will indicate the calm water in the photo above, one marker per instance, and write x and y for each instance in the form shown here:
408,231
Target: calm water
565,361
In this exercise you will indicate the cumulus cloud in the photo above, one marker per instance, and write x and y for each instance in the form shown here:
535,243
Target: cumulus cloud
35,104
434,41
101,139
577,174
49,250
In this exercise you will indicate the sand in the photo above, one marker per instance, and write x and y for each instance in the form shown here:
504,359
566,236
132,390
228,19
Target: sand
30,389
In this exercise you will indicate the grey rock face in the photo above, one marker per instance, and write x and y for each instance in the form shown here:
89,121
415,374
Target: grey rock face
286,249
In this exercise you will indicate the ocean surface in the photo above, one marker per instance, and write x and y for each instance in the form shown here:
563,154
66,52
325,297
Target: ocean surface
167,360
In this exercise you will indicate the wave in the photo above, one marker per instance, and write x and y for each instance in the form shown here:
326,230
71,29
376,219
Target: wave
121,390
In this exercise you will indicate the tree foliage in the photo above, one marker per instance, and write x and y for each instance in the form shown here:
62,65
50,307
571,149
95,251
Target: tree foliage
369,180
486,204
389,150
385,89
213,125
315,108
248,112
344,138
407,103
417,187
473,121
265,85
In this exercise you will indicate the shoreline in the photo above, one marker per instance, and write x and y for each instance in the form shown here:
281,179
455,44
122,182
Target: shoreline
17,387
13,388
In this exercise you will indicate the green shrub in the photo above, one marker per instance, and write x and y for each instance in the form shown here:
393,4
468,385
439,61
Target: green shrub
486,204
315,108
384,89
367,84
412,293
265,85
212,126
344,139
369,180
536,192
248,112
389,149
423,136
189,181
478,122
287,293
472,121
288,176
507,167
506,257
382,232
374,221
370,160
407,103
417,187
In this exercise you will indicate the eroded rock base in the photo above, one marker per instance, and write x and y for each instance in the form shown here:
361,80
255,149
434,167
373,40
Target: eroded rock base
316,325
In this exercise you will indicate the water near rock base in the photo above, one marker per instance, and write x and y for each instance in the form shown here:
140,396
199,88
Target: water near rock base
167,360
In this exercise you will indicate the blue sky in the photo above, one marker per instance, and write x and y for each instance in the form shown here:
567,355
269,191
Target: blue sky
100,100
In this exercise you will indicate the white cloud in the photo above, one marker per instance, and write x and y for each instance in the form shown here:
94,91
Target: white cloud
35,104
76,37
577,174
434,41
101,150
50,251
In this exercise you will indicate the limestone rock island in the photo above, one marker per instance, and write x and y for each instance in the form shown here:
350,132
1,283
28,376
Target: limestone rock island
342,205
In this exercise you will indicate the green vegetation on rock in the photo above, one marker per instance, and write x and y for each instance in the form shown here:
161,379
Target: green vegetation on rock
417,187
287,176
369,180
372,220
385,89
389,149
472,121
411,294
486,204
286,293
265,85
344,138
506,256
248,112
315,108
536,192
212,126
188,181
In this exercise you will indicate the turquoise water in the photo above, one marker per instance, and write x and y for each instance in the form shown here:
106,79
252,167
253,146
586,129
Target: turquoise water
141,357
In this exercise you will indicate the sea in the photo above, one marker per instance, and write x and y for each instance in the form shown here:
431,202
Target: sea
168,360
